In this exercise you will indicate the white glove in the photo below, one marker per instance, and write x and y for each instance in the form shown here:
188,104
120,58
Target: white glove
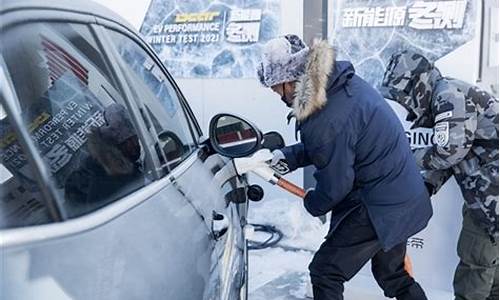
277,156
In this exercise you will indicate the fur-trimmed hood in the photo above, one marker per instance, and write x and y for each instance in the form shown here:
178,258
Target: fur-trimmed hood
322,74
310,89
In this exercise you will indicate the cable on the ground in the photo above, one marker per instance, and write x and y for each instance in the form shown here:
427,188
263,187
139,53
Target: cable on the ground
275,235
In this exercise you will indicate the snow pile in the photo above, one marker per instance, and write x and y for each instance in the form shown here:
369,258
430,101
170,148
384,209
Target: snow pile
300,229
268,267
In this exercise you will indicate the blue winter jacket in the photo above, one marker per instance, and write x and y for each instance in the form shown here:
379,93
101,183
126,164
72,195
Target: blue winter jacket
360,151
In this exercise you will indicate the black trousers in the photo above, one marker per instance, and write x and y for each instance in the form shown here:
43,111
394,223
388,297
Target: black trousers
348,249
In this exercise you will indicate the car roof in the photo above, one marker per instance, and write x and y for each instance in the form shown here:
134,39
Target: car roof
86,7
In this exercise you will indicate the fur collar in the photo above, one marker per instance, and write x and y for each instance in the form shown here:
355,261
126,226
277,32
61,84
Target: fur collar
310,89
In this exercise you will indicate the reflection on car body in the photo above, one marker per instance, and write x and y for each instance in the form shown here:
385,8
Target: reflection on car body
113,169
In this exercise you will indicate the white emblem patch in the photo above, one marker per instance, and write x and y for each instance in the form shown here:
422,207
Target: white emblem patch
442,116
442,134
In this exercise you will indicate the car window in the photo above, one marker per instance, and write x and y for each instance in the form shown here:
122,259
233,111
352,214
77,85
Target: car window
21,200
75,114
155,91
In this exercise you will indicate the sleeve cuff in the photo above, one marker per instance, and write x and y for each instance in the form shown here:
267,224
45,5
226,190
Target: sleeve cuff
290,158
309,204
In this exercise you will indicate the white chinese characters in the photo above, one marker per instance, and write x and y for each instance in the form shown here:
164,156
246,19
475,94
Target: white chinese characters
421,15
437,14
392,16
244,26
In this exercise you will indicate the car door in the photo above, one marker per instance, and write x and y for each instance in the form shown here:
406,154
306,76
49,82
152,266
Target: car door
165,112
120,230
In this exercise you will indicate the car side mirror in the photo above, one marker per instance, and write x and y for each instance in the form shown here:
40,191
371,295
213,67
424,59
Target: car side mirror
232,136
273,141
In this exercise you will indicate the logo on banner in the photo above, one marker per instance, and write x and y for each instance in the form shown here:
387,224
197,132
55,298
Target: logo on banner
211,39
420,15
243,26
192,28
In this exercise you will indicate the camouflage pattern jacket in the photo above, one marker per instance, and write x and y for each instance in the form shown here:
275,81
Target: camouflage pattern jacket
465,122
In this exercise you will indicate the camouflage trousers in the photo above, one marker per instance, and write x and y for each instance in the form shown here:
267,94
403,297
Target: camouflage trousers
476,277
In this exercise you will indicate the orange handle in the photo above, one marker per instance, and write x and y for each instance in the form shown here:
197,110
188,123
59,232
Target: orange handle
292,188
408,265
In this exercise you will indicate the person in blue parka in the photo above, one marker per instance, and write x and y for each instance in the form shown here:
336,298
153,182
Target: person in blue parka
365,171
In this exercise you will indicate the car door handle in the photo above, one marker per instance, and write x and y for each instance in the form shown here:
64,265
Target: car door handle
220,225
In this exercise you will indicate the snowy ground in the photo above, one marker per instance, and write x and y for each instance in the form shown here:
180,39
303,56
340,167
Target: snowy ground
279,273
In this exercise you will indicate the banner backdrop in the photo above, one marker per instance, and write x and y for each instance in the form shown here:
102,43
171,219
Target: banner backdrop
210,39
367,33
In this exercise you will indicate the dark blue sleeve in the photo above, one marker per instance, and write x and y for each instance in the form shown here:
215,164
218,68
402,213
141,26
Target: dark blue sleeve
335,179
296,156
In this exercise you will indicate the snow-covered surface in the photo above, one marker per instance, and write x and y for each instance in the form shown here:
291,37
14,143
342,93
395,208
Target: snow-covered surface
299,228
279,273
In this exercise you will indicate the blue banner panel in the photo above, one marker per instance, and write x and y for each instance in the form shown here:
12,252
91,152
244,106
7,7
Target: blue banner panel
368,32
210,39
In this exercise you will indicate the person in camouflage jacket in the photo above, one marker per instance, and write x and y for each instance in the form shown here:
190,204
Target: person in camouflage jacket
465,145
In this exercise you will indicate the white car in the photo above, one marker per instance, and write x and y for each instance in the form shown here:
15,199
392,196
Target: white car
107,187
